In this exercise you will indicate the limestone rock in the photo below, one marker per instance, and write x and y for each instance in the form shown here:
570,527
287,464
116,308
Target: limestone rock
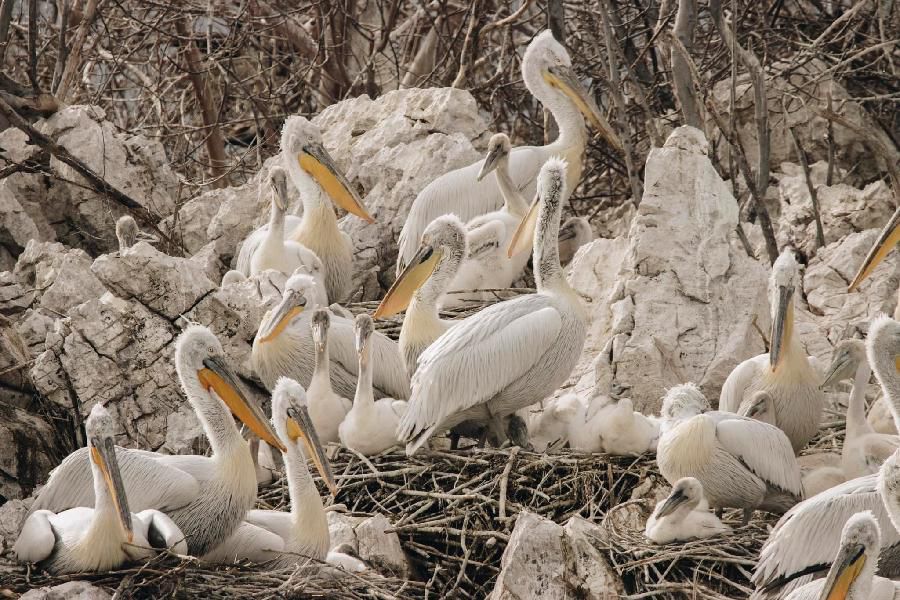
72,590
592,574
28,451
341,529
12,516
380,549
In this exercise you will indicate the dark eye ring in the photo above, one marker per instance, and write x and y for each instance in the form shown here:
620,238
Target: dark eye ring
428,253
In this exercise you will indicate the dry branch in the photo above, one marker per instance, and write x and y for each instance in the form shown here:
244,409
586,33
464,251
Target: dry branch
73,61
813,196
685,22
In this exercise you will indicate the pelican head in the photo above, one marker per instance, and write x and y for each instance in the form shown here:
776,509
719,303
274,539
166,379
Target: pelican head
301,145
551,191
760,402
300,292
886,241
576,228
128,234
848,354
199,357
233,277
547,69
883,348
687,492
499,148
277,181
442,241
364,329
100,428
683,402
784,280
320,322
294,425
860,544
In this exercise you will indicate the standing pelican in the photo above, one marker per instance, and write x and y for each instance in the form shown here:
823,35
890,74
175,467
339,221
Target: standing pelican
509,355
326,409
574,233
283,347
741,462
786,373
318,178
547,71
99,538
886,242
206,496
370,427
421,286
684,515
128,234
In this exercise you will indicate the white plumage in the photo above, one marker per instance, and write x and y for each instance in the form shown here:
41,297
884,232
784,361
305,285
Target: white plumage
683,515
326,409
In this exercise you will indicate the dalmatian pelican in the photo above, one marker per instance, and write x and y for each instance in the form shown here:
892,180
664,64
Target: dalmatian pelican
105,536
548,75
317,177
128,234
683,515
205,496
511,354
326,409
789,376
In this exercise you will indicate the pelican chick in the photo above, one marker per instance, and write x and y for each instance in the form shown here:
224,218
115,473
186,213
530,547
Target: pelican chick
549,425
99,538
484,268
232,277
585,425
370,427
626,432
574,233
759,406
683,515
128,234
326,409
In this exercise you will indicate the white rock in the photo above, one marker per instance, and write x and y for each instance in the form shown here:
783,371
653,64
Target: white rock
592,575
341,529
380,549
72,590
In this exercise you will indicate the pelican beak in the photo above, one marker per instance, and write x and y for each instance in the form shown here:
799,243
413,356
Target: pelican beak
754,410
523,238
490,162
783,325
844,571
300,426
291,305
318,335
218,376
280,196
887,239
564,79
566,233
316,161
675,499
836,372
103,452
413,276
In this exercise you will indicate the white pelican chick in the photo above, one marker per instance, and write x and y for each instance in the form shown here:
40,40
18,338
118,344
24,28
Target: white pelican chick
548,75
232,277
128,234
684,515
741,462
371,426
326,409
484,268
549,425
99,538
584,427
283,347
785,373
626,432
511,354
205,496
421,286
320,182
574,233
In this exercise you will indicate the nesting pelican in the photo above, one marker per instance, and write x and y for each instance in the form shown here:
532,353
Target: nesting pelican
105,536
128,234
371,426
326,409
683,515
584,427
820,479
741,462
574,233
759,406
786,373
548,75
206,496
511,354
283,347
886,242
626,432
548,426
317,177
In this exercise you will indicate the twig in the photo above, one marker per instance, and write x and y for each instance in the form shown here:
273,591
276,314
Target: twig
73,61
685,22
814,198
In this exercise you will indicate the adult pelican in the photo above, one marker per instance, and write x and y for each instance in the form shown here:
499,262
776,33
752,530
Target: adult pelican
683,515
548,75
105,536
741,462
128,234
421,286
326,409
509,355
283,347
786,373
318,179
805,541
206,496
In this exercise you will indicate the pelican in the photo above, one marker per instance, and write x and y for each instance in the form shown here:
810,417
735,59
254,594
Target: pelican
880,417
509,355
804,542
548,75
420,287
549,425
317,177
741,462
759,406
99,538
683,515
852,573
786,373
283,347
326,409
485,267
206,496
232,277
864,450
624,431
370,427
574,233
128,234
584,428
266,534
886,242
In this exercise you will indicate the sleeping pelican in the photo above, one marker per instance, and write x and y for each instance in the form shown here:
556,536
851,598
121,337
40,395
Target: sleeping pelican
852,574
326,409
759,406
548,75
370,427
283,347
886,242
99,538
683,516
786,373
420,287
804,542
574,233
128,234
509,355
206,496
318,179
741,462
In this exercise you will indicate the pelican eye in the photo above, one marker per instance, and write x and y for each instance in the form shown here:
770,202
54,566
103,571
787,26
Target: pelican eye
427,254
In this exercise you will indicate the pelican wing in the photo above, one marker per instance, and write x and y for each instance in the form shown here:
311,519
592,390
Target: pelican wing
248,542
389,374
739,380
278,522
463,368
36,540
161,531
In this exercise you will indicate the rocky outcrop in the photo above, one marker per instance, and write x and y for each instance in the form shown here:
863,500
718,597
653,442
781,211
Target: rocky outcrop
370,540
72,590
